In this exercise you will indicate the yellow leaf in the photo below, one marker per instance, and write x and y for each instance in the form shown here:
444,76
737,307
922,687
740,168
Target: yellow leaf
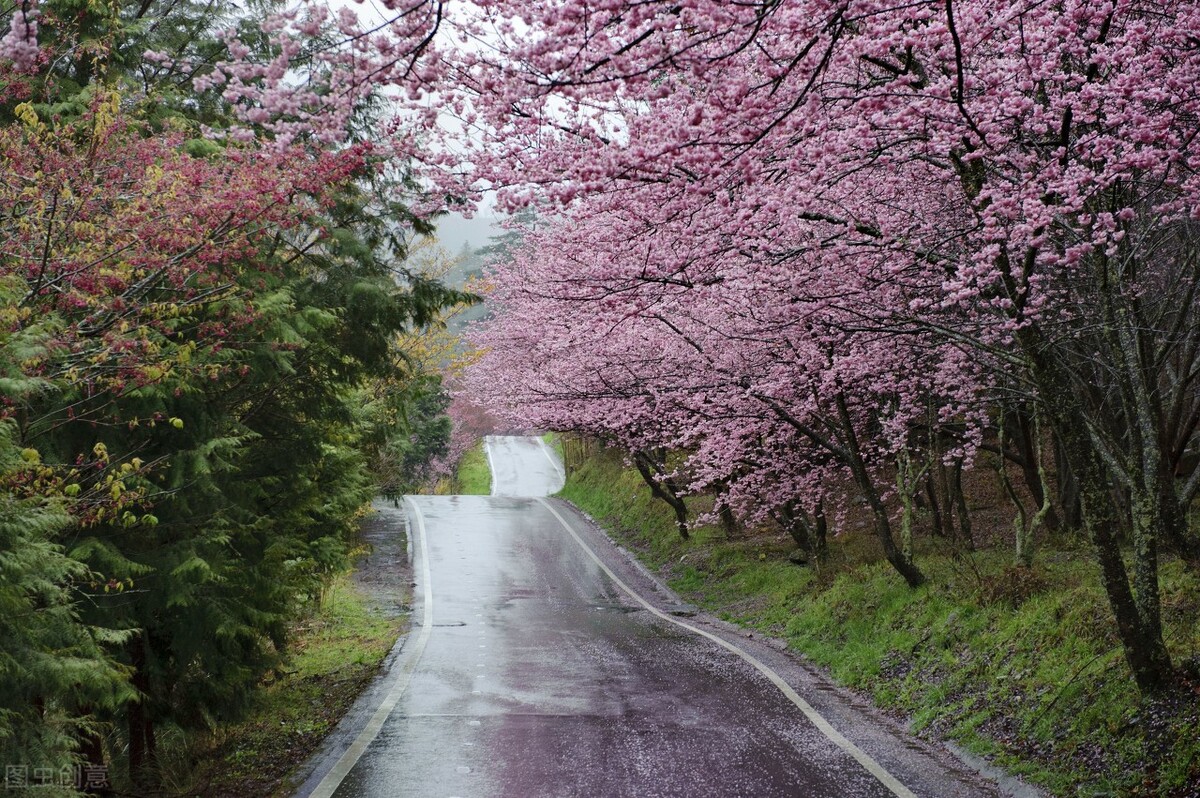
26,114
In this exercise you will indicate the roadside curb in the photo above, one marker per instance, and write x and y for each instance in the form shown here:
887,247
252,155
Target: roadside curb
1008,785
305,778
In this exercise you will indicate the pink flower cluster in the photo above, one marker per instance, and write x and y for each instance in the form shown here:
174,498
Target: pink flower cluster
795,240
19,44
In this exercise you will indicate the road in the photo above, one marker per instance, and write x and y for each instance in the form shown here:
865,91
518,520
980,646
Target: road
543,663
522,466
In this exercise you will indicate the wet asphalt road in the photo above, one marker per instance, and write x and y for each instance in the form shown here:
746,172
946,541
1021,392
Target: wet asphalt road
531,672
522,466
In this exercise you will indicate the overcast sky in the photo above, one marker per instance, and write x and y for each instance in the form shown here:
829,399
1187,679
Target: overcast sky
453,230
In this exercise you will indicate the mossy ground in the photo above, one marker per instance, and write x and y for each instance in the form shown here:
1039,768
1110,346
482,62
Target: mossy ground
1021,665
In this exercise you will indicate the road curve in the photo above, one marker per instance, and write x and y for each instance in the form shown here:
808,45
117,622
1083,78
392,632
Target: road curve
523,466
542,663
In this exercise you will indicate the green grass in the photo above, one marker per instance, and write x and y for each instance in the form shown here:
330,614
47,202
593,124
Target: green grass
334,654
605,490
473,477
554,441
1021,666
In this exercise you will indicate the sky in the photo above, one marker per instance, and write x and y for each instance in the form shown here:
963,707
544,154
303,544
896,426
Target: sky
454,230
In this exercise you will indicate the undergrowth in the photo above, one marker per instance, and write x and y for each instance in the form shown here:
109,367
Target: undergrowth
334,654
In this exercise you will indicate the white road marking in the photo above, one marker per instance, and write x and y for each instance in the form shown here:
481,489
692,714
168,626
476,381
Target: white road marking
874,768
487,448
343,766
553,460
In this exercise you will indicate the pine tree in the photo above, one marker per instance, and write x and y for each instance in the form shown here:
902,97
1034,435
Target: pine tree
56,672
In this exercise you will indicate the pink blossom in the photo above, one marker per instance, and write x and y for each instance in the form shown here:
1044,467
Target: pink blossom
20,45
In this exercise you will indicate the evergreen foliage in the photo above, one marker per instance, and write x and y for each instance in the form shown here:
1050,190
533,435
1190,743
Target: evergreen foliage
202,385
53,666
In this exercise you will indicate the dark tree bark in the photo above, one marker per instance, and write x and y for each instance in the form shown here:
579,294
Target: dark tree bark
1031,454
935,509
1068,489
965,531
810,533
1137,614
662,487
728,521
142,743
883,524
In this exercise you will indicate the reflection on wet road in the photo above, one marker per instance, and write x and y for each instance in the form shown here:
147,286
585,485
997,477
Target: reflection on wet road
530,672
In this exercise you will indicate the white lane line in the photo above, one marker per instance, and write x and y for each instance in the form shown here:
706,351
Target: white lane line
487,448
874,768
553,460
343,766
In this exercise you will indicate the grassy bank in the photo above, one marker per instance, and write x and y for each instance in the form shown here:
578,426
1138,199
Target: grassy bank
554,442
1020,665
473,476
335,653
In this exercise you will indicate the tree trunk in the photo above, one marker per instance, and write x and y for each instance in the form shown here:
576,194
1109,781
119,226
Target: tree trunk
945,493
1023,527
883,525
966,533
1138,620
148,734
728,522
811,535
795,527
662,488
1138,617
1068,489
91,749
1029,441
821,532
136,716
1177,534
908,487
935,509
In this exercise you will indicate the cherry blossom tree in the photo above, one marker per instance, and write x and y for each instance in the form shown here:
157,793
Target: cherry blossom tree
712,356
1015,182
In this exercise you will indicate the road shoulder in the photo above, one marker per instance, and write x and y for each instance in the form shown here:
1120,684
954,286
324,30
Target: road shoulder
385,575
924,766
